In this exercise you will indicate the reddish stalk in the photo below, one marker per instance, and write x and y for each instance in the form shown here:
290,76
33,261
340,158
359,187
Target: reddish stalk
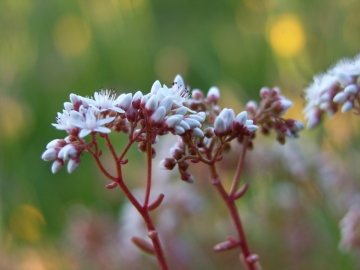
149,167
229,200
143,210
239,167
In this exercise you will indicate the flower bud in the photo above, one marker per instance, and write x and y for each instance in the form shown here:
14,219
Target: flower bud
192,122
166,103
73,164
167,163
181,110
340,97
158,115
49,155
57,165
155,87
136,100
213,95
125,101
152,104
197,94
264,92
173,120
351,89
187,177
348,105
197,132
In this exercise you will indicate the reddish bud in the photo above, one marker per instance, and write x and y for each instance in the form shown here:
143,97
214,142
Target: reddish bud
219,158
226,245
241,191
156,203
152,234
112,185
143,245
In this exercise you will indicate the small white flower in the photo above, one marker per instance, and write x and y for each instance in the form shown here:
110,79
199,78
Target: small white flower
92,122
64,121
105,100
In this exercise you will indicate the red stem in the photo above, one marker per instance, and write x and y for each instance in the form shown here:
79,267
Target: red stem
230,203
239,168
149,167
153,235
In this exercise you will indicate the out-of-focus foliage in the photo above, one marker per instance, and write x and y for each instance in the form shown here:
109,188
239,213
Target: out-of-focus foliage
49,49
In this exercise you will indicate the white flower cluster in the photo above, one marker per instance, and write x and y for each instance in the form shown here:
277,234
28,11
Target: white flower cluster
226,123
339,85
161,110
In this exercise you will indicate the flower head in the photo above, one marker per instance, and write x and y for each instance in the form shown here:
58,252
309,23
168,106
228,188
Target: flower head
91,121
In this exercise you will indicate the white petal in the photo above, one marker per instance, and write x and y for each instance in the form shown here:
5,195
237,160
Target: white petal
73,164
49,154
152,103
192,122
340,97
155,87
158,115
56,166
179,130
241,118
84,132
197,132
219,126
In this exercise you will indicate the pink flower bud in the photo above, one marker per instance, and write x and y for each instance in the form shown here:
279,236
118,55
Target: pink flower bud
251,107
213,95
197,94
167,163
264,92
136,100
187,177
176,152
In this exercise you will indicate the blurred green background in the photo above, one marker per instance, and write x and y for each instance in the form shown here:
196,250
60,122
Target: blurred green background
49,49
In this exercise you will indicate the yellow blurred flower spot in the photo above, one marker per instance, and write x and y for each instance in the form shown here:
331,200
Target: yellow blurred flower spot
71,35
286,35
26,223
18,122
